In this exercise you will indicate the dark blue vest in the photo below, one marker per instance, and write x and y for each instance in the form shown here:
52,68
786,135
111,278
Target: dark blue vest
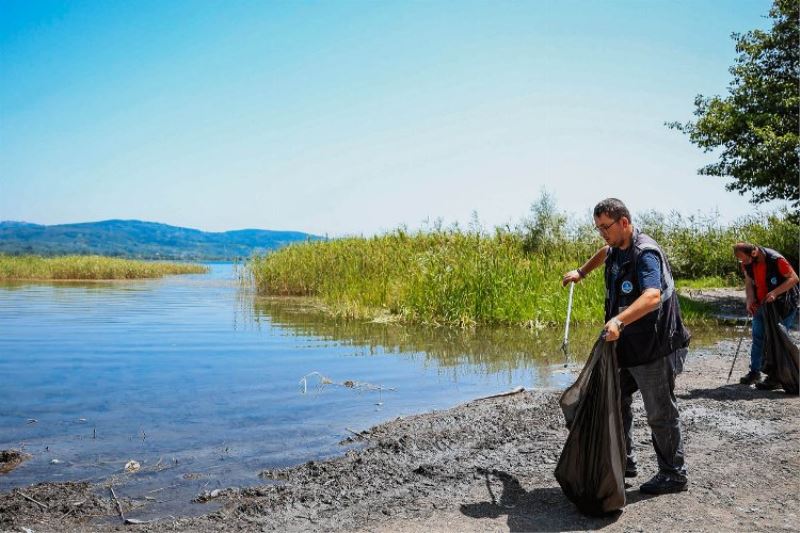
786,302
658,333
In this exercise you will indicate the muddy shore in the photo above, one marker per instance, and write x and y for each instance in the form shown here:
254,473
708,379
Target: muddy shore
487,466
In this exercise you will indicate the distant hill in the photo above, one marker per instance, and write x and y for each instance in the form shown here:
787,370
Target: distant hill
137,239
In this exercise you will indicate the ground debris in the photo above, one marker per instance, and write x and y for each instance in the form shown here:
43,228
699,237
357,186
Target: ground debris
10,459
51,500
348,383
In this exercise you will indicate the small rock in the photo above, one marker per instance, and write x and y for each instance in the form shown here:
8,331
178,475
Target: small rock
132,466
55,461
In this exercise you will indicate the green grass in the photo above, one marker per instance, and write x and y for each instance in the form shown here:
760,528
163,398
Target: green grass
701,247
88,267
512,276
697,313
444,277
710,282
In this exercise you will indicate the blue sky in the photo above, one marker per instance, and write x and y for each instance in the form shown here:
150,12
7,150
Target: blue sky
346,117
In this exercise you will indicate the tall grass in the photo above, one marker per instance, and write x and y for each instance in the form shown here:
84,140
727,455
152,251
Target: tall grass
701,246
88,267
439,277
511,276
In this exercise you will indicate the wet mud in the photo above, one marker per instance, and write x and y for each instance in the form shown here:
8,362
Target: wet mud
10,459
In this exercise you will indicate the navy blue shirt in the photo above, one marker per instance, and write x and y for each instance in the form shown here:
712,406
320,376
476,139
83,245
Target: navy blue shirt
648,269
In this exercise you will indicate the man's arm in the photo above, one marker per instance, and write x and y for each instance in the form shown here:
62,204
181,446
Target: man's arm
647,302
750,295
749,292
574,276
790,281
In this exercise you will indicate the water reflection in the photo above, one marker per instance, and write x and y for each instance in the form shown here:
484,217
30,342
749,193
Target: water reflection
20,285
494,349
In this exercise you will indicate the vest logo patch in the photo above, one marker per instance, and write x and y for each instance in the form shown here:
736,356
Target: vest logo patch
627,287
774,280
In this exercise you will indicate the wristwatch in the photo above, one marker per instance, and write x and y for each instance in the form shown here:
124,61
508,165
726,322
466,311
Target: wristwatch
619,323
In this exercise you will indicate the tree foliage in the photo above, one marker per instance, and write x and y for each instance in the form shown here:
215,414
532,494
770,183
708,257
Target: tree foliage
755,127
545,224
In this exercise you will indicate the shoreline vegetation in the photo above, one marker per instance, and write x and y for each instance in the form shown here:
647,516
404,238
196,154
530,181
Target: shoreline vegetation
508,276
88,267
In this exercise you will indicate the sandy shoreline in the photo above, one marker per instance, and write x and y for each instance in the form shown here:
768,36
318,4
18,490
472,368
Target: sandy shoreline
488,466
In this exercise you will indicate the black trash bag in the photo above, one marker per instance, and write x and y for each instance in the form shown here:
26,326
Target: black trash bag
591,469
781,356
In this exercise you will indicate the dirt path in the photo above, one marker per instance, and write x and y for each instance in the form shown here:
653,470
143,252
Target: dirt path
488,466
742,451
728,302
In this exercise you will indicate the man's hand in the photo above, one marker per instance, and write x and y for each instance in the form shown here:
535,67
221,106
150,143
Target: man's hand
612,330
770,297
573,276
752,306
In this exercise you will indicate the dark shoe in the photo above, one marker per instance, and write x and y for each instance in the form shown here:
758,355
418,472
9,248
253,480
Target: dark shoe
751,377
663,484
768,384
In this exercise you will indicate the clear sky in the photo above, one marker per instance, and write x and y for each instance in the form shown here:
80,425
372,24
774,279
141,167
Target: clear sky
346,117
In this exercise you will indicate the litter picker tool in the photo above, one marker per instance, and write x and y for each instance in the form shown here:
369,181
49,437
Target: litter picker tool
738,346
565,344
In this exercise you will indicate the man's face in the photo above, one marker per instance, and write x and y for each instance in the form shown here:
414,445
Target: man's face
744,258
612,231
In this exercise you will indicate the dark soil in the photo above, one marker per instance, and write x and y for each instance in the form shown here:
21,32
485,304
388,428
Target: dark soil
10,459
52,506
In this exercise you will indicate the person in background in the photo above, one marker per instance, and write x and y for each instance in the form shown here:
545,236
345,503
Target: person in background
643,316
768,278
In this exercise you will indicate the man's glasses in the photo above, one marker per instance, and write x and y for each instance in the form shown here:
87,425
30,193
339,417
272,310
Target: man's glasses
605,227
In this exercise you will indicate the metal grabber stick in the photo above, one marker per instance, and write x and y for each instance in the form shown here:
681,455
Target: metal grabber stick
565,344
741,337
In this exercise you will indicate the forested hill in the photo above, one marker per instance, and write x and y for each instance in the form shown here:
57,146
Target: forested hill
137,239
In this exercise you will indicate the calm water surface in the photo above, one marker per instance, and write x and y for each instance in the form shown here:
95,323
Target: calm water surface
199,381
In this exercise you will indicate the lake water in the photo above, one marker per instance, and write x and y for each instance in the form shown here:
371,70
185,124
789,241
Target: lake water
200,382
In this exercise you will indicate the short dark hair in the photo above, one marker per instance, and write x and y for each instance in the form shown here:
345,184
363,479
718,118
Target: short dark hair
612,207
744,248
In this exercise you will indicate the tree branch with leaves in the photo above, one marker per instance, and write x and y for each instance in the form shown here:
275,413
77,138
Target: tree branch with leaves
756,127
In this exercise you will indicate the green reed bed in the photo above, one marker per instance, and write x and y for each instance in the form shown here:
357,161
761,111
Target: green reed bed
88,267
700,247
456,277
440,277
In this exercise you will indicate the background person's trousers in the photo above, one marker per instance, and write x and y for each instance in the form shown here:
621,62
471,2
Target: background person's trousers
757,349
656,381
